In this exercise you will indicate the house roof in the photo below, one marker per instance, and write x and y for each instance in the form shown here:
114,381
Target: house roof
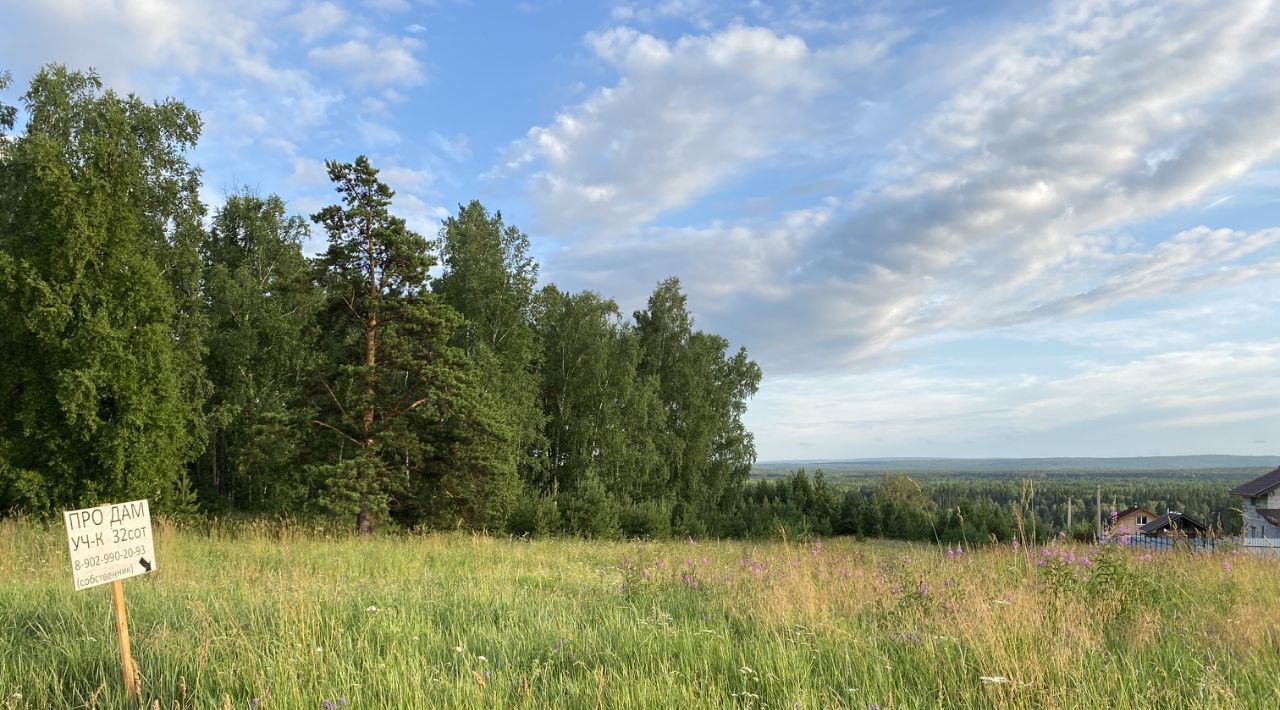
1271,515
1265,483
1131,510
1172,519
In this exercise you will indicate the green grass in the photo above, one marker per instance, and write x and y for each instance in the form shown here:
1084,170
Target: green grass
293,617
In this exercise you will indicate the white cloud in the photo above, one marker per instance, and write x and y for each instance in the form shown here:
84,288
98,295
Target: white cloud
403,179
1009,201
390,60
684,118
458,148
317,20
308,172
1175,402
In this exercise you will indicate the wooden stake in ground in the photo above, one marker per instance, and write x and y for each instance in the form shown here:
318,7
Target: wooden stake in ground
108,544
132,683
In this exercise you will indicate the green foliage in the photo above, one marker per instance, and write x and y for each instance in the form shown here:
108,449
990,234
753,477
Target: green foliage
8,114
488,277
534,516
589,510
417,435
704,451
98,211
645,520
262,309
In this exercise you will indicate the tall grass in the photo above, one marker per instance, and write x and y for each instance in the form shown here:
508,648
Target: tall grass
291,618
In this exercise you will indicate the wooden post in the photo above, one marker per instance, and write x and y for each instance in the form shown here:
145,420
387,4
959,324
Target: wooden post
132,684
1099,512
1068,516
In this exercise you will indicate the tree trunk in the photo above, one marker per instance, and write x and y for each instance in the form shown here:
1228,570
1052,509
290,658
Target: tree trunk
364,519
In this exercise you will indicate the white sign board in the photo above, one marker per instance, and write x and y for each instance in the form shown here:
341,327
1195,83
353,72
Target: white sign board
109,542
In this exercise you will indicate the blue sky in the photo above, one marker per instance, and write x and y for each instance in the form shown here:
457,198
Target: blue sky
1005,229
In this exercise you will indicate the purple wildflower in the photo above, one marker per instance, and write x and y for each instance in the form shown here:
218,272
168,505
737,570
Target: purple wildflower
950,553
327,704
924,589
343,699
1016,544
1114,516
256,702
1226,565
1146,557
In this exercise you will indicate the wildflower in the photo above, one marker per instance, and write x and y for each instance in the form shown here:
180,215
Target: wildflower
1146,557
993,679
1084,561
691,542
959,552
327,704
1226,565
924,589
342,700
1015,544
1039,563
371,609
17,696
950,553
482,659
256,702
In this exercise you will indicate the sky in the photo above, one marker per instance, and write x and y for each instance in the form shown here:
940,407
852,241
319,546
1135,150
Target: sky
992,229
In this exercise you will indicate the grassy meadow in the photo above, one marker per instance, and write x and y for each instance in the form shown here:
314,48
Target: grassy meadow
285,617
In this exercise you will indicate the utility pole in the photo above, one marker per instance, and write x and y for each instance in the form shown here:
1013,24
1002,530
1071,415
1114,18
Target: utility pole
1068,516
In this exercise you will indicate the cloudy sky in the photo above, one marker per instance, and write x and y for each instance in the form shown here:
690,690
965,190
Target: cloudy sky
1019,229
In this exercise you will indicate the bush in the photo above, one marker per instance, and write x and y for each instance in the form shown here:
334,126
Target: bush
590,511
534,516
650,519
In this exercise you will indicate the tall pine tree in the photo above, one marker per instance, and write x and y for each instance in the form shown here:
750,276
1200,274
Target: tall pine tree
414,433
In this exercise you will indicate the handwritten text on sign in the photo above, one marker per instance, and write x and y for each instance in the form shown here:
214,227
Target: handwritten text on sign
109,542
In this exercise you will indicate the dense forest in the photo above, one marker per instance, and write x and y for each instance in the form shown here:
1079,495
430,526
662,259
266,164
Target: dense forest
202,360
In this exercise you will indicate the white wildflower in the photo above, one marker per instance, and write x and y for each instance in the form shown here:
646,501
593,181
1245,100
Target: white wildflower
482,659
993,679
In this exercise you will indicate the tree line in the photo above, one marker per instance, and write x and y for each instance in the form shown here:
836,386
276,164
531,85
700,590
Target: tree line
200,359
972,511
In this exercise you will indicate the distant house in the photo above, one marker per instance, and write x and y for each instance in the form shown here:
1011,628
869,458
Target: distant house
1174,524
1261,505
1132,519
